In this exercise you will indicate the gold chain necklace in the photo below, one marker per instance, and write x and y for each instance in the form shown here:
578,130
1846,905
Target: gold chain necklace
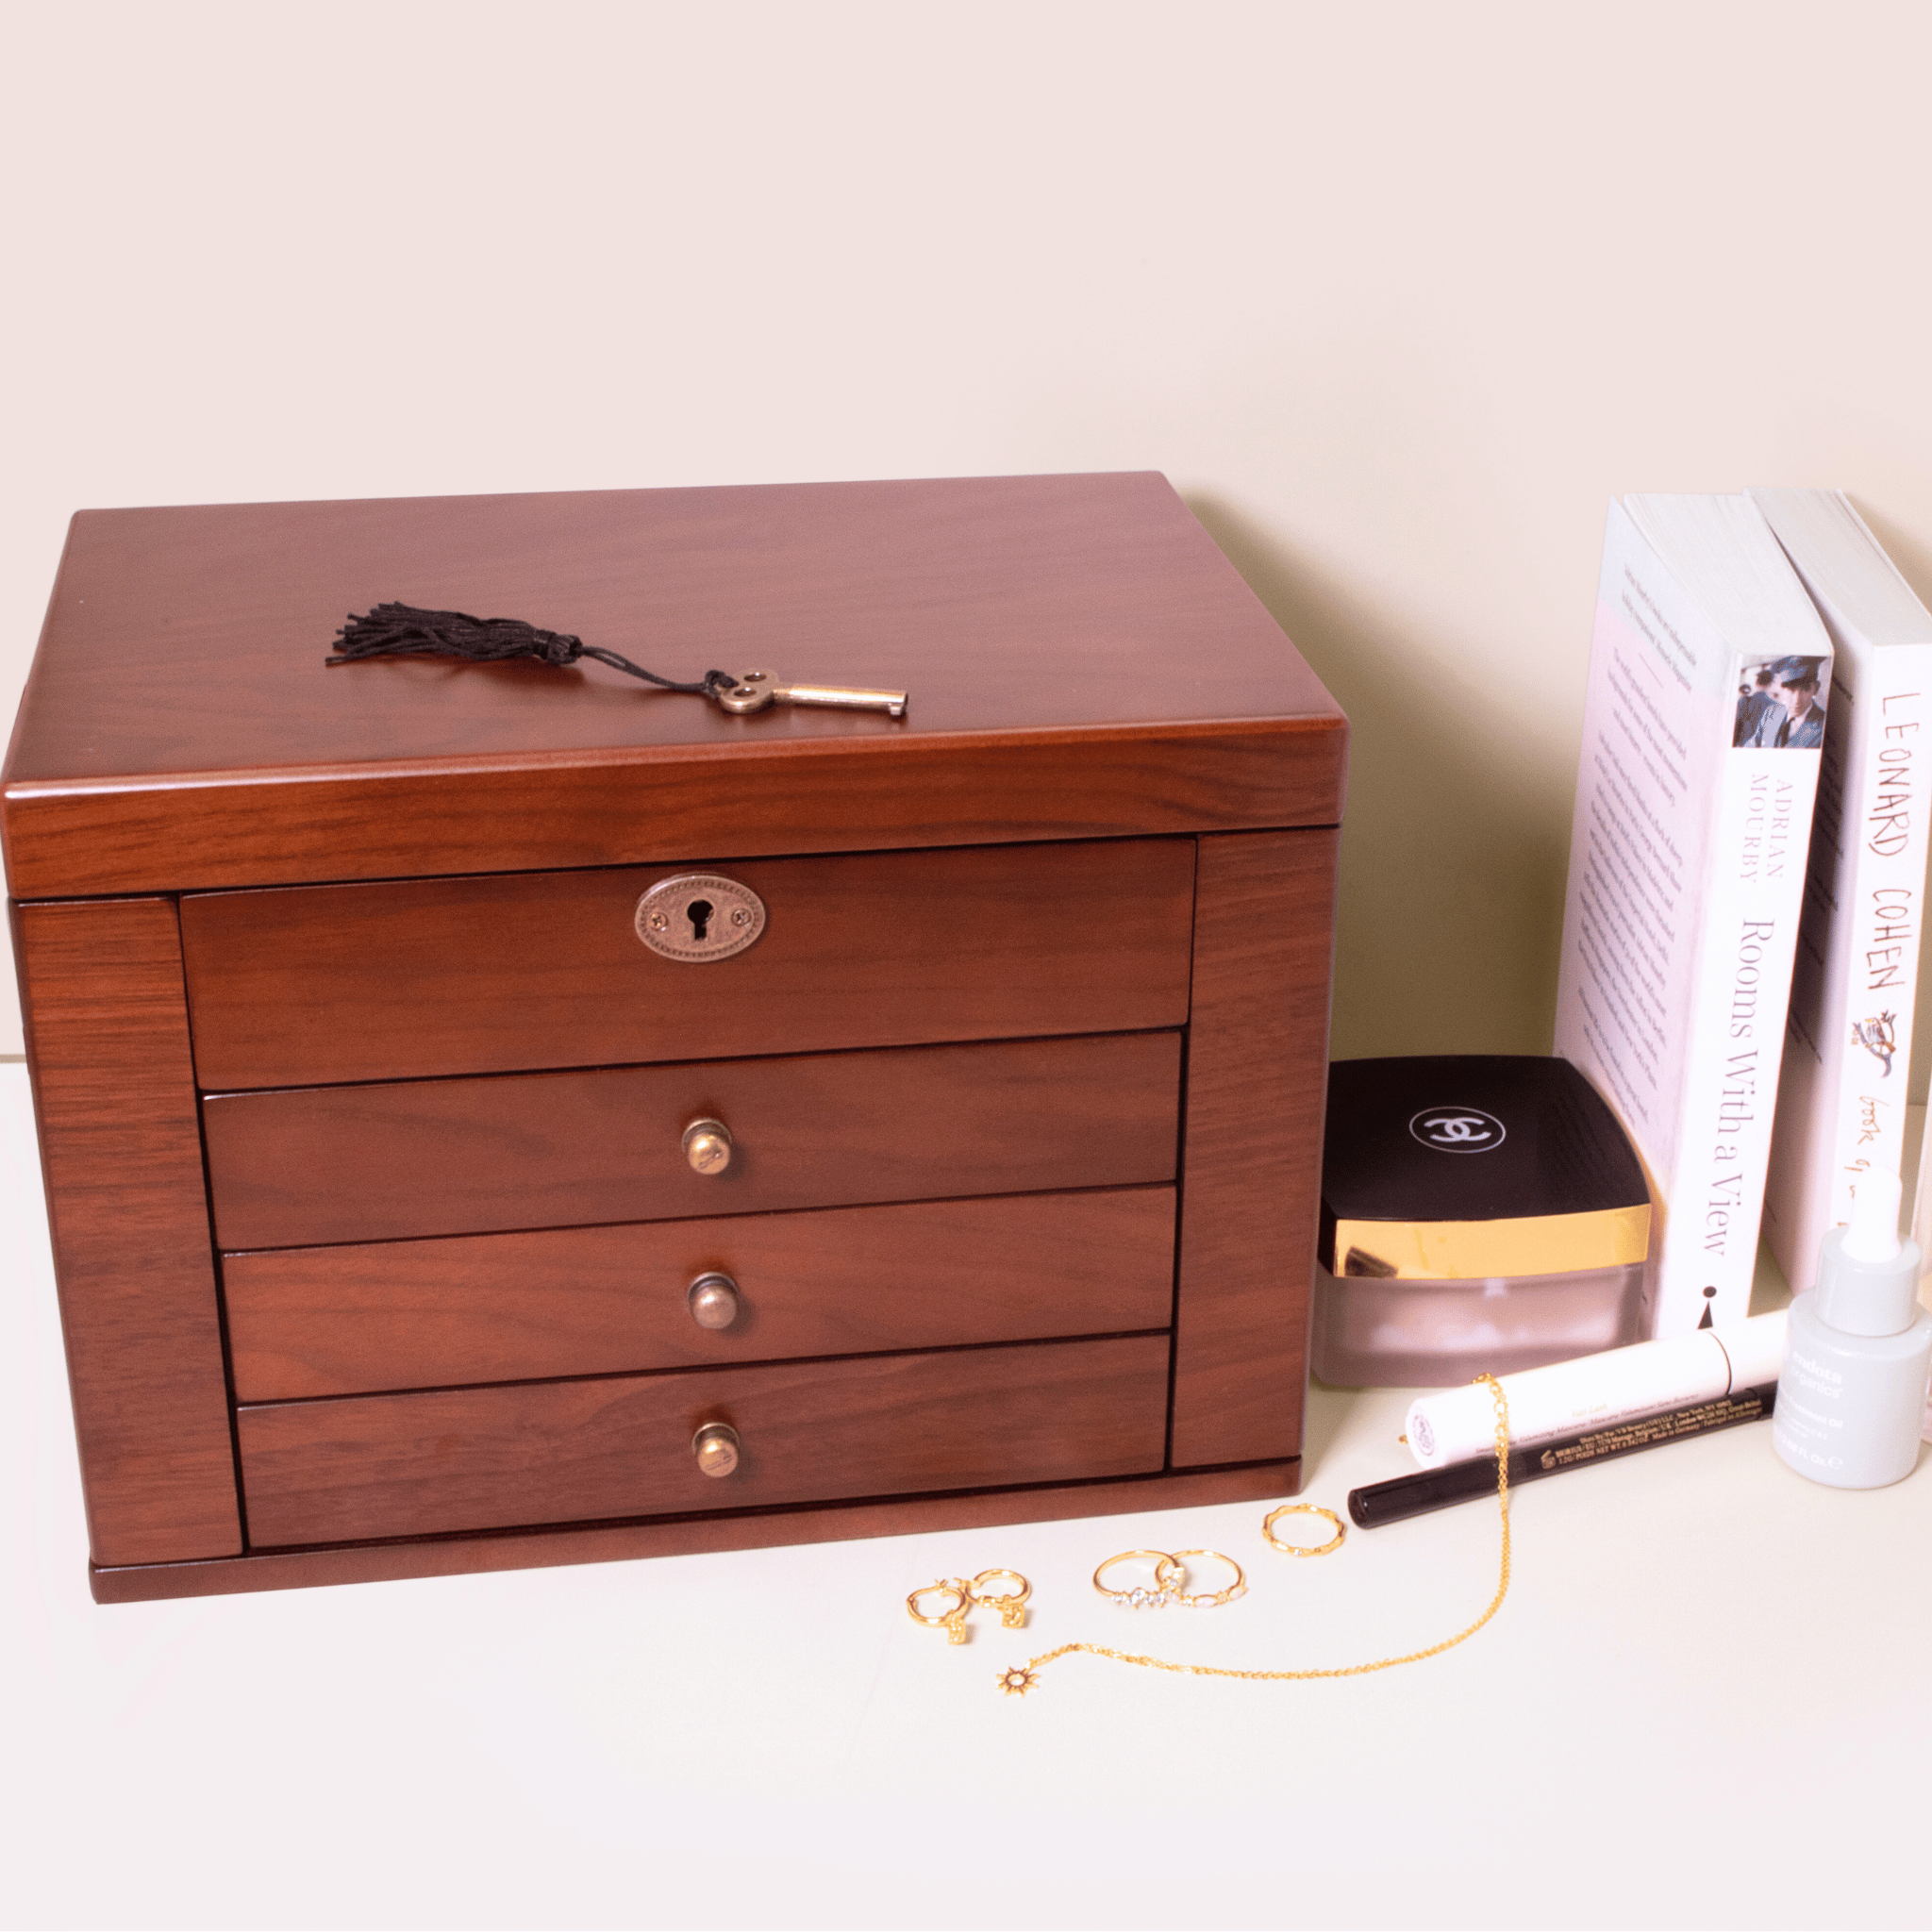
1017,1682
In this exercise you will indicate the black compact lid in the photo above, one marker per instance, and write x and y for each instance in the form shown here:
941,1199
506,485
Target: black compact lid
1462,1137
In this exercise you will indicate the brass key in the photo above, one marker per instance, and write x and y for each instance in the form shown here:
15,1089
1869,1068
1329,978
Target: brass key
757,688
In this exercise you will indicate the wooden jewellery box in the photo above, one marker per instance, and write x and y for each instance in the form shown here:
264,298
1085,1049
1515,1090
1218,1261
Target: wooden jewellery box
413,1213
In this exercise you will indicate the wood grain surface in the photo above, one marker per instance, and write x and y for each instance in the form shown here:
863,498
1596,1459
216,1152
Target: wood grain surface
678,1536
332,1164
402,820
106,1030
464,1137
556,1452
1082,662
1258,1051
590,1301
383,982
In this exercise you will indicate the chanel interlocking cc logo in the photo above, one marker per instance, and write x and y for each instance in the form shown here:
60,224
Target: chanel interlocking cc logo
1457,1129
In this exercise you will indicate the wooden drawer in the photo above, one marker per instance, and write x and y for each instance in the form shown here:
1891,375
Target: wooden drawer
620,1447
558,1150
590,1301
320,984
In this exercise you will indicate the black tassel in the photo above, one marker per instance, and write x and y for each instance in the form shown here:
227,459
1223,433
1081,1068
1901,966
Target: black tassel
400,630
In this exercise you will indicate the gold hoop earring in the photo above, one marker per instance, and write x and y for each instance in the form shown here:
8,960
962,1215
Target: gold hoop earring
1011,1605
952,1622
1209,1599
1168,1576
1275,1542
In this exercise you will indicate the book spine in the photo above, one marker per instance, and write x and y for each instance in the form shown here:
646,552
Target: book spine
1842,1102
1741,987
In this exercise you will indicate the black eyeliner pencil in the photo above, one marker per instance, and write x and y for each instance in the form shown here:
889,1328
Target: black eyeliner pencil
1462,1482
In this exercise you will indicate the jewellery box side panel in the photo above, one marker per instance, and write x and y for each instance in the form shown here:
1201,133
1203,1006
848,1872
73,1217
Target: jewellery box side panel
1264,935
106,1029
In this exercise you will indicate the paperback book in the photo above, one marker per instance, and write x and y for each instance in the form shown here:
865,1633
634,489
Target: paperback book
1848,1044
1708,689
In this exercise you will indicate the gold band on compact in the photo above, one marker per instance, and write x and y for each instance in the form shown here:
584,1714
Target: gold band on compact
1471,1250
1275,1542
1011,1605
1167,1573
1207,1599
952,1622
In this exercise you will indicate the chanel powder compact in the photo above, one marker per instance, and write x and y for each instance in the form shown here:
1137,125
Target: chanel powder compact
1479,1212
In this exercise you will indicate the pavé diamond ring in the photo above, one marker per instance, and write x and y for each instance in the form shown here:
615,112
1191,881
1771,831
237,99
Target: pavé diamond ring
1169,1575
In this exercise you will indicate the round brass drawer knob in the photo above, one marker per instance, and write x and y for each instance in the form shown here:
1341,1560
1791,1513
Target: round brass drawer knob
715,1446
708,1147
713,1301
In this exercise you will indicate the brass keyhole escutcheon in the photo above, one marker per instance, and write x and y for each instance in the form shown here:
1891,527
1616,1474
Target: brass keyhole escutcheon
716,1447
708,1147
695,917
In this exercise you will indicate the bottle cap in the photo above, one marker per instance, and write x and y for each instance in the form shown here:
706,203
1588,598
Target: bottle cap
1868,1279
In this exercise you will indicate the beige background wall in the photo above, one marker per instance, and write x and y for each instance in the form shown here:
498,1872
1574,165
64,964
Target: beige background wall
1397,295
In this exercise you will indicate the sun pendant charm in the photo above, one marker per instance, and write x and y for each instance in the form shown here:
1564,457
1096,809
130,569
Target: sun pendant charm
1017,1682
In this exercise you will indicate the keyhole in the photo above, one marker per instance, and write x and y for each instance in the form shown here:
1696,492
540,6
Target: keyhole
699,912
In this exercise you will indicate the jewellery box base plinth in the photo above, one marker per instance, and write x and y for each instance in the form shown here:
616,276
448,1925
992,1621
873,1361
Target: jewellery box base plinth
682,1536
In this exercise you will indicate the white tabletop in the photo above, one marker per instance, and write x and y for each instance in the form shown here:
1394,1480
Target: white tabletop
1703,1704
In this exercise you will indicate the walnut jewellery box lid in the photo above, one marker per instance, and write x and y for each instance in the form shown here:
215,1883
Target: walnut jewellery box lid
1082,663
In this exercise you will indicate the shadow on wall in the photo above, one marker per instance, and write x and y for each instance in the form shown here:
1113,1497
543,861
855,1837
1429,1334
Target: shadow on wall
1452,878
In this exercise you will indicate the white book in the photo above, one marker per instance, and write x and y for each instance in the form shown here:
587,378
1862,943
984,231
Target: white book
1841,1097
1686,864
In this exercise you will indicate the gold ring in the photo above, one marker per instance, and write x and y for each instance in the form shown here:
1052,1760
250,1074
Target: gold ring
1011,1605
1168,1576
1275,1542
1207,1600
952,1622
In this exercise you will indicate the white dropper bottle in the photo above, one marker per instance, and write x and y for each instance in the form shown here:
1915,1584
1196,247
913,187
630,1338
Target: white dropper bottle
1851,1399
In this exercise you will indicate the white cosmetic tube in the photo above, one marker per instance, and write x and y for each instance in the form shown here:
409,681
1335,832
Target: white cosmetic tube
1596,1391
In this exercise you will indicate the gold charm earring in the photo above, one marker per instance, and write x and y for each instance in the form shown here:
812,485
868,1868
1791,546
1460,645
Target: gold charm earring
1275,1542
1011,1605
952,1622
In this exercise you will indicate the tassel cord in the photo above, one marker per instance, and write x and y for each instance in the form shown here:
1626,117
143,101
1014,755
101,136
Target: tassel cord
401,630
714,680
